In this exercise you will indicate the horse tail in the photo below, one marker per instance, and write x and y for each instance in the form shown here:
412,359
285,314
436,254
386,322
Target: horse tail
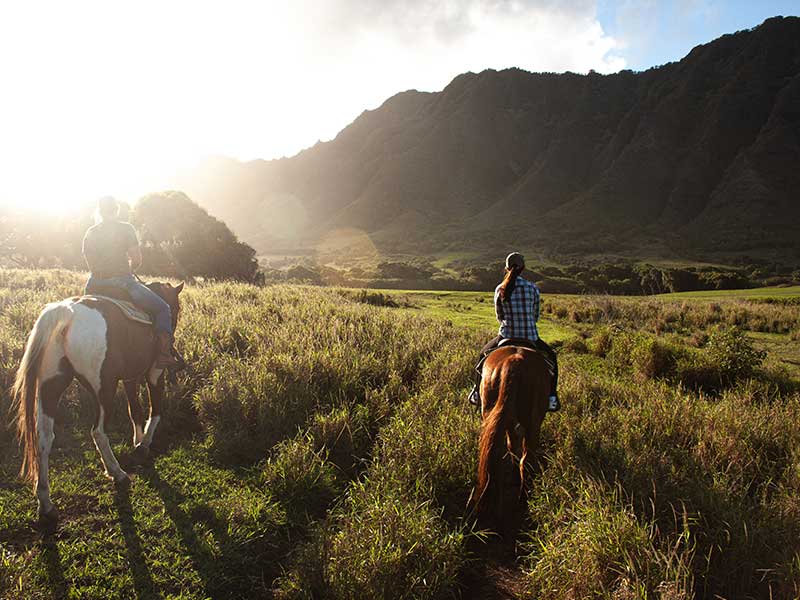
495,426
23,393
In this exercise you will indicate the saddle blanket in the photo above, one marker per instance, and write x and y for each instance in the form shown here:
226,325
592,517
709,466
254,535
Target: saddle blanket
129,309
517,342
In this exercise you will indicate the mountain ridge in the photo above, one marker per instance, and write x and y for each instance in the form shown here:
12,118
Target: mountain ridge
693,158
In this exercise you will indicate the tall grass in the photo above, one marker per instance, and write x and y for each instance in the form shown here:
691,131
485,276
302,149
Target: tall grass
668,315
336,430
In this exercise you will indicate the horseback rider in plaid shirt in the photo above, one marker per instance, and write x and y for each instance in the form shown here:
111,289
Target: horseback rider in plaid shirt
517,304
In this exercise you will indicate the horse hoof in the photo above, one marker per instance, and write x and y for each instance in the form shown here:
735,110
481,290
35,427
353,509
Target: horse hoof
140,454
48,520
123,481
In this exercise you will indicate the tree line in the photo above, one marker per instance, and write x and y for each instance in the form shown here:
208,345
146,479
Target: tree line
622,278
179,239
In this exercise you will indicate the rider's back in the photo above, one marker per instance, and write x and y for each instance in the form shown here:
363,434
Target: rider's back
106,246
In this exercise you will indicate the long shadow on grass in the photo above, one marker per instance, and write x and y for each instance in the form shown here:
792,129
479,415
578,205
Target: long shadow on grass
52,560
142,582
224,574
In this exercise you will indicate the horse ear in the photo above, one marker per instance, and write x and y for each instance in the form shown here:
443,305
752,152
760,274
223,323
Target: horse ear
179,287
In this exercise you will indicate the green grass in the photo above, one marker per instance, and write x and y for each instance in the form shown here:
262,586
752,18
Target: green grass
752,293
185,528
471,310
320,447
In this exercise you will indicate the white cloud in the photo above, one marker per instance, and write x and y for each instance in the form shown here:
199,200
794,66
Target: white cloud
106,96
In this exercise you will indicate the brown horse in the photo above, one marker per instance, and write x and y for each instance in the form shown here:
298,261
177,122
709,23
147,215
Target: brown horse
88,339
514,389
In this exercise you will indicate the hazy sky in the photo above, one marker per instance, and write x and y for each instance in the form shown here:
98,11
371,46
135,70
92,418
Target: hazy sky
109,97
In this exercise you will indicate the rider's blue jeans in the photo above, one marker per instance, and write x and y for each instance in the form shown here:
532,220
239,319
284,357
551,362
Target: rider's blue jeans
142,296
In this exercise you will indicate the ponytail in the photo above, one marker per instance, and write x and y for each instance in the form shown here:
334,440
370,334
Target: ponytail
509,282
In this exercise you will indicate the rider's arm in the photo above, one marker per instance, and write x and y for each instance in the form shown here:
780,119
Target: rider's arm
135,256
537,303
88,250
134,250
498,307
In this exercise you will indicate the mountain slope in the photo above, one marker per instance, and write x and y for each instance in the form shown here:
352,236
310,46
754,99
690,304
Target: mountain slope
697,158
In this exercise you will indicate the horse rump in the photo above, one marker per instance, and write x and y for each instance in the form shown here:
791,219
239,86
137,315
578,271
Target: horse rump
51,321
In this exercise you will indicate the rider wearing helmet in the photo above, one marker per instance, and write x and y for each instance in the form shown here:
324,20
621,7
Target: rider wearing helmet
112,253
517,304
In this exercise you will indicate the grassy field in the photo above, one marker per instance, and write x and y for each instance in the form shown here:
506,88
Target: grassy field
320,447
470,310
752,293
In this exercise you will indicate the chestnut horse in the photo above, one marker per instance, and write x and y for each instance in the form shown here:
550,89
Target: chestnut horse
89,339
515,385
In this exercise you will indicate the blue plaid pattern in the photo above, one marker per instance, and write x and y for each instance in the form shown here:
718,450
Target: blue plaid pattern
518,314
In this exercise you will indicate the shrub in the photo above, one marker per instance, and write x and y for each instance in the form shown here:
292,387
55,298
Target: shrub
733,354
652,358
372,298
600,343
576,345
696,372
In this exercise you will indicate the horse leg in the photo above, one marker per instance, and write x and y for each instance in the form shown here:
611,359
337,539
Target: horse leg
530,442
50,389
105,397
135,410
155,389
523,456
55,375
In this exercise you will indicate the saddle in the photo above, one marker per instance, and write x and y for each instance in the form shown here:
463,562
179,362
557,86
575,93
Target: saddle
120,298
520,342
129,309
525,343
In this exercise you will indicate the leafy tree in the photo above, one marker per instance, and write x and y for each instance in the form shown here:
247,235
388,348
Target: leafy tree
180,238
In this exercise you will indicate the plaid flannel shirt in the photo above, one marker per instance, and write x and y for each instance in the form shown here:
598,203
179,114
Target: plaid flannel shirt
518,314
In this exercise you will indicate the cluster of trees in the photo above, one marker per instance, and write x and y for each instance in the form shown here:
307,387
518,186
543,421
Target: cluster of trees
638,279
600,278
179,239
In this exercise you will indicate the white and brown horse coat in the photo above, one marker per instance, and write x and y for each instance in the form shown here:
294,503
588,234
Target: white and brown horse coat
88,339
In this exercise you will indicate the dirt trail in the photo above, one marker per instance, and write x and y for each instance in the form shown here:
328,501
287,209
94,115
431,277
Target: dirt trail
496,572
495,575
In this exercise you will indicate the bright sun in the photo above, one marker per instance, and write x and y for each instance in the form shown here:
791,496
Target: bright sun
110,98
55,185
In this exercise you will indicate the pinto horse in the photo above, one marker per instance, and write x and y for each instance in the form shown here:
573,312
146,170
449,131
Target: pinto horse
514,391
86,338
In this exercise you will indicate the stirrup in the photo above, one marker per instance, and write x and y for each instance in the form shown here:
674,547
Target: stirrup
474,397
180,362
553,404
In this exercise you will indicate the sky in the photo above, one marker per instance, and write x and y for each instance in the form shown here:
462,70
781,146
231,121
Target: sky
110,97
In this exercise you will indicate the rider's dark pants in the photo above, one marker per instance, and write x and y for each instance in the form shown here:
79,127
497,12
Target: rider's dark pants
539,344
